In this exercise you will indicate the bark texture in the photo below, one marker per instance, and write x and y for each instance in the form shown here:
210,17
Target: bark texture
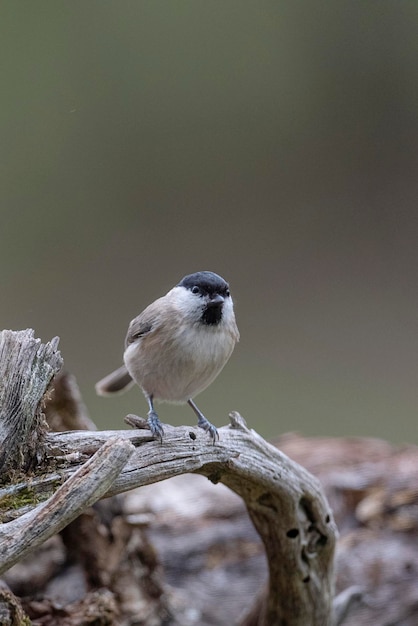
255,550
27,366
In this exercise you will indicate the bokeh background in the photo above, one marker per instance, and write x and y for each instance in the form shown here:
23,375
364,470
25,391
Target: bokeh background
272,142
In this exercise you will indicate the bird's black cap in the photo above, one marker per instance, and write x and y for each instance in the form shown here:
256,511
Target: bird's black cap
208,282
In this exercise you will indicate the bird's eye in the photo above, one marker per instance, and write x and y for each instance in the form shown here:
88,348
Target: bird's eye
195,289
227,293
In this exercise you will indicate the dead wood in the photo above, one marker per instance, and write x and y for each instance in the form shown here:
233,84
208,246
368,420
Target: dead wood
284,501
183,551
26,368
74,469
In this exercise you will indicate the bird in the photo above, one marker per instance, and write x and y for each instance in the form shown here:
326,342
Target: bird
177,346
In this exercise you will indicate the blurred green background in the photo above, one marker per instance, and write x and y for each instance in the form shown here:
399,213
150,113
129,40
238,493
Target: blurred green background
272,142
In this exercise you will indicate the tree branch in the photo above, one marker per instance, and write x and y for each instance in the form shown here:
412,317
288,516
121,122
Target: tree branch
89,483
285,502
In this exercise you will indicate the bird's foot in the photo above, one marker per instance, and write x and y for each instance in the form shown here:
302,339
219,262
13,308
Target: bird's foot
209,428
155,426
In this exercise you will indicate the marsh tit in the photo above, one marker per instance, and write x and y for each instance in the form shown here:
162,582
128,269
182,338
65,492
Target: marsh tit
177,346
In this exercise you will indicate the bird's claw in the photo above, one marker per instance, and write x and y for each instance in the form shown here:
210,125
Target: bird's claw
208,428
155,425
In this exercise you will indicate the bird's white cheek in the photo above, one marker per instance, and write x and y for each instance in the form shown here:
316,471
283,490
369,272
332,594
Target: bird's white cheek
228,312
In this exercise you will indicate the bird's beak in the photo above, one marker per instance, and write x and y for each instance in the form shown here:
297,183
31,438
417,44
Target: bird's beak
216,300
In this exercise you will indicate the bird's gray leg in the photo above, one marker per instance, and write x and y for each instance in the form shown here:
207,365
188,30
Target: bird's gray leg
202,422
153,420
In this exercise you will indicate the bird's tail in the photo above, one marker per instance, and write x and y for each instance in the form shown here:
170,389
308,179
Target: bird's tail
117,382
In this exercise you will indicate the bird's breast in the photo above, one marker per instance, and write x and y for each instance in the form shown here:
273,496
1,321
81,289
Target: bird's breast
175,366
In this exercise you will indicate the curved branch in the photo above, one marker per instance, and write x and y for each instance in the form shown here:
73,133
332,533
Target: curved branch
285,502
71,470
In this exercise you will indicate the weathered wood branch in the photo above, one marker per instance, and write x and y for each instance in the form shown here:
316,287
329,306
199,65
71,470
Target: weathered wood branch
26,368
285,502
86,485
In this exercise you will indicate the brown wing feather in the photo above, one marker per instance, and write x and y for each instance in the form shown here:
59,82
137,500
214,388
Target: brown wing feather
148,321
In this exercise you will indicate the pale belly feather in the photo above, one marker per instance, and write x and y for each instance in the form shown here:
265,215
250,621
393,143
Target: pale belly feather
176,369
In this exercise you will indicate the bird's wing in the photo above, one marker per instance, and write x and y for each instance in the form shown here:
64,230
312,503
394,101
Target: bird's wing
147,322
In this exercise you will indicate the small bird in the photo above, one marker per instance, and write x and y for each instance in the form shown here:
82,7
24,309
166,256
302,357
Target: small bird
177,346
